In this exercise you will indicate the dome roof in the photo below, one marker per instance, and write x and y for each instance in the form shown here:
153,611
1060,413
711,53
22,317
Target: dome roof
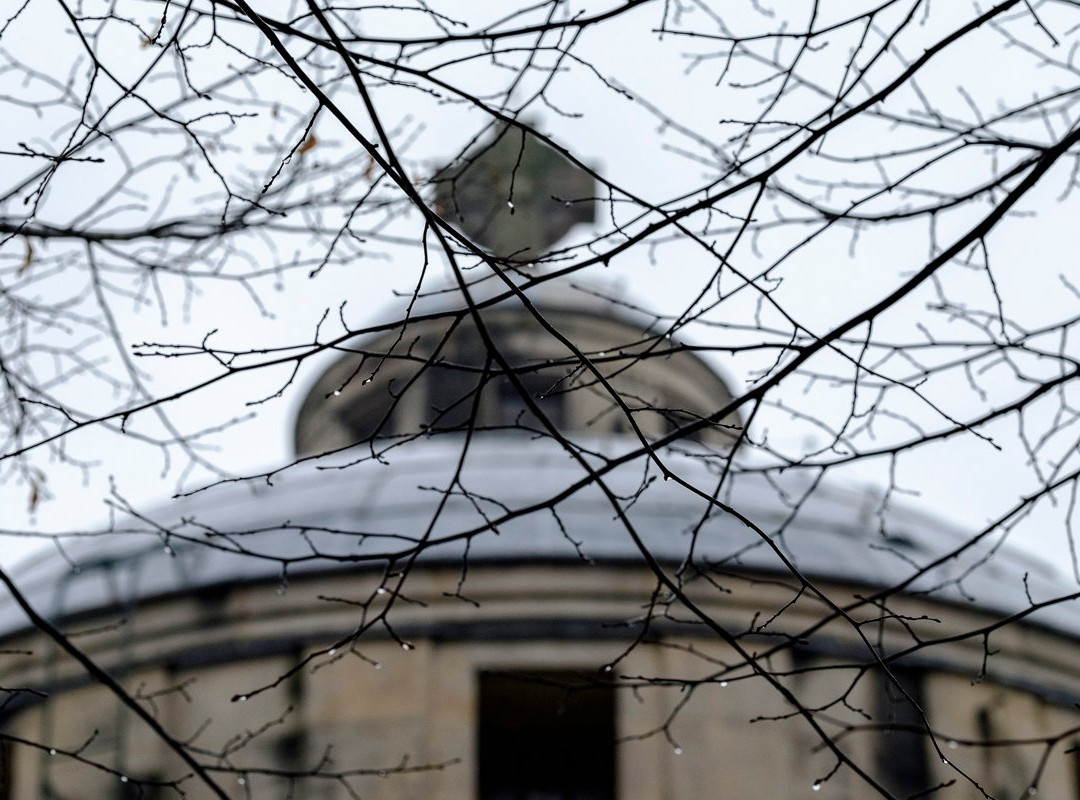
315,519
428,370
353,511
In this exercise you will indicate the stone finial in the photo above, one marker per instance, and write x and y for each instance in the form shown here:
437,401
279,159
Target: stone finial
514,196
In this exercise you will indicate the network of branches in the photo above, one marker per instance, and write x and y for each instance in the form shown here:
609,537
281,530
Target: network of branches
857,211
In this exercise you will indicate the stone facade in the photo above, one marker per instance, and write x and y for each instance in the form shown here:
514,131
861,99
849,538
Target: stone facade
191,629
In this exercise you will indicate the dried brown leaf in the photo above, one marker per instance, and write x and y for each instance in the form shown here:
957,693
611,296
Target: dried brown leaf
28,259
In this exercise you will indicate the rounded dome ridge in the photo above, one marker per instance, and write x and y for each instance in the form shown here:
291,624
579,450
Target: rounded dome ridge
373,515
429,371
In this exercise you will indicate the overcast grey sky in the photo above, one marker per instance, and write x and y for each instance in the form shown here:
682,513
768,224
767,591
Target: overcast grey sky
966,481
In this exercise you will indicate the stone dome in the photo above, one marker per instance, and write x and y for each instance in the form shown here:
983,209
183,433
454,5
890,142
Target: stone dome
320,518
368,504
428,371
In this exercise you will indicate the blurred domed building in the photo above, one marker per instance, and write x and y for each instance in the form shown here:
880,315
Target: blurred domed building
439,601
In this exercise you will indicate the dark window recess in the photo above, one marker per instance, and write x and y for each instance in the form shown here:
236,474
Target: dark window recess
134,790
901,756
6,777
546,736
1075,750
451,396
673,420
289,750
453,381
546,391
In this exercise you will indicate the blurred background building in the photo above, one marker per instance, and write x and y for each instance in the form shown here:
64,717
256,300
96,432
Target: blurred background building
438,602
